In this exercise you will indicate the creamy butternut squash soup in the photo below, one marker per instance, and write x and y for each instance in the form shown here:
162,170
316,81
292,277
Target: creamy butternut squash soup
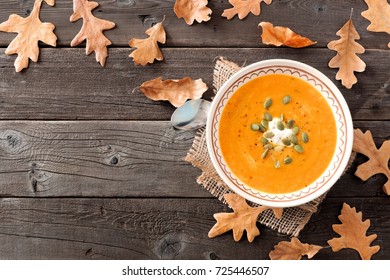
277,133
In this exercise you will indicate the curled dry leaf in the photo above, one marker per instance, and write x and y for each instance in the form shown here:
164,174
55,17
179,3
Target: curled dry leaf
280,35
346,59
147,49
192,10
175,91
378,14
30,30
92,30
293,250
243,218
378,159
243,7
353,233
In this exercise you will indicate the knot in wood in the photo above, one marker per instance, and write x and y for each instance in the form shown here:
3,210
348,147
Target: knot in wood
171,245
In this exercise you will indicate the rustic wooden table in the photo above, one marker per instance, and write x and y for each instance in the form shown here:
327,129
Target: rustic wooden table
90,170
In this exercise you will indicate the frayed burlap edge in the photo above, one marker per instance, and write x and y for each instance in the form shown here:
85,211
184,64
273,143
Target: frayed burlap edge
293,219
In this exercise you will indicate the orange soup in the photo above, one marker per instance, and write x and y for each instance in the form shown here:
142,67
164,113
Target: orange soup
277,133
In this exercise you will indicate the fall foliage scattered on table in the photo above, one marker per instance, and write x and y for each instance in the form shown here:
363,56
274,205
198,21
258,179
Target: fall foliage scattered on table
147,49
378,14
378,158
177,92
352,229
242,8
283,36
243,219
192,10
25,44
30,30
92,30
346,59
293,250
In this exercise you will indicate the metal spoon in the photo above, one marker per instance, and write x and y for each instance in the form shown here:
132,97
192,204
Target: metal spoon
191,115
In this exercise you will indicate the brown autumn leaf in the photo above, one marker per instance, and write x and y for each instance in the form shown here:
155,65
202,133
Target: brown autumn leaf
378,14
280,35
243,7
346,59
192,10
30,30
92,30
243,218
378,159
353,232
175,91
147,49
278,212
293,250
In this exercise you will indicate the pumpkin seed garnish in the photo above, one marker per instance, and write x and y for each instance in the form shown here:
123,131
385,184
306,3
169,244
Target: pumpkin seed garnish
295,130
261,127
280,125
268,146
267,103
269,134
255,127
265,153
282,117
286,99
277,164
278,148
293,139
264,123
290,123
298,148
268,116
288,160
264,141
305,137
286,141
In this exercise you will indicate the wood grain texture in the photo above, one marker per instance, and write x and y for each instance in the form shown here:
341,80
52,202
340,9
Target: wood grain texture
318,20
81,228
95,158
120,159
67,85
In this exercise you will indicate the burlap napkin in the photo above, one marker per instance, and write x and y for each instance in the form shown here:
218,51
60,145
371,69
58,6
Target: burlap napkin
293,220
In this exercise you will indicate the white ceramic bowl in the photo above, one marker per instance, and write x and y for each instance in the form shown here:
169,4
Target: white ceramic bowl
341,114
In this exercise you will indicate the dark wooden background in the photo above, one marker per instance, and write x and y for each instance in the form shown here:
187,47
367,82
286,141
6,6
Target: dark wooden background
91,170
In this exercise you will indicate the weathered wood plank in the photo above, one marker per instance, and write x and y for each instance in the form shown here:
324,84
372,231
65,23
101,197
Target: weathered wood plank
68,85
93,158
318,20
120,159
76,228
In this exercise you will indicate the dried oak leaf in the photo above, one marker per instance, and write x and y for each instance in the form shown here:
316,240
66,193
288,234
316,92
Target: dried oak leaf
175,91
378,14
30,30
293,250
346,59
243,218
378,159
280,35
353,233
147,49
192,10
92,30
243,7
